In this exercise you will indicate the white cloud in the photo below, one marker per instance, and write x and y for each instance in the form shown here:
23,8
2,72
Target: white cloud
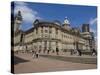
95,33
93,30
93,21
28,14
20,3
95,38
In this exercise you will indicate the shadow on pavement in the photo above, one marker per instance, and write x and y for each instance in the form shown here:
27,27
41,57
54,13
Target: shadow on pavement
73,59
16,60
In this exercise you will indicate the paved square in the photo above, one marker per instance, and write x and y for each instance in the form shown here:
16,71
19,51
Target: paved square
26,64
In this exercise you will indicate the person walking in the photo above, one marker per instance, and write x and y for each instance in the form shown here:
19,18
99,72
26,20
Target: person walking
37,54
48,51
94,52
33,53
57,51
72,52
79,52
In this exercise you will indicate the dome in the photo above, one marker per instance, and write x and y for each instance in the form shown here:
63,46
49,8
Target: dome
36,22
57,22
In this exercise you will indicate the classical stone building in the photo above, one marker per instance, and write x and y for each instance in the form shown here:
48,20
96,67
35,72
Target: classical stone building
46,35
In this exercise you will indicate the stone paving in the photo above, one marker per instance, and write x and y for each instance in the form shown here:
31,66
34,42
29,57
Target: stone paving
43,64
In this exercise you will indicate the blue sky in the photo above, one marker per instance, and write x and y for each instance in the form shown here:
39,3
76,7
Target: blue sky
76,14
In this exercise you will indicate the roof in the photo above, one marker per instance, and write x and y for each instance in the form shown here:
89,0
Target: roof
41,23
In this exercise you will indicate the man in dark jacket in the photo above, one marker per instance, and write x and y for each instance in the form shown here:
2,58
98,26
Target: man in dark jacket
79,51
94,52
57,51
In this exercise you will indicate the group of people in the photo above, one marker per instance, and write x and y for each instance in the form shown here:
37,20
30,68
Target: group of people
52,51
49,50
94,52
76,52
35,54
79,52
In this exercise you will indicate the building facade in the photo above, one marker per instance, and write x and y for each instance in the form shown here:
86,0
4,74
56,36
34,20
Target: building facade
51,35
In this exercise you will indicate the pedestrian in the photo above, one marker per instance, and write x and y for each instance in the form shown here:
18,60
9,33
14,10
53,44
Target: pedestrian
53,51
26,48
33,53
94,52
39,50
71,53
37,55
48,51
57,51
79,52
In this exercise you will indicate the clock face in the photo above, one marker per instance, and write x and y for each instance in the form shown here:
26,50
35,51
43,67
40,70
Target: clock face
36,21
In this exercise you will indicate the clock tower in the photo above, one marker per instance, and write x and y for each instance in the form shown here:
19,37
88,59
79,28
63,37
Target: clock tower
17,21
66,24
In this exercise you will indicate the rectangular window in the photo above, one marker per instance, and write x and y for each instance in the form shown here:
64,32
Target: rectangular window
50,30
56,31
41,29
46,31
56,44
